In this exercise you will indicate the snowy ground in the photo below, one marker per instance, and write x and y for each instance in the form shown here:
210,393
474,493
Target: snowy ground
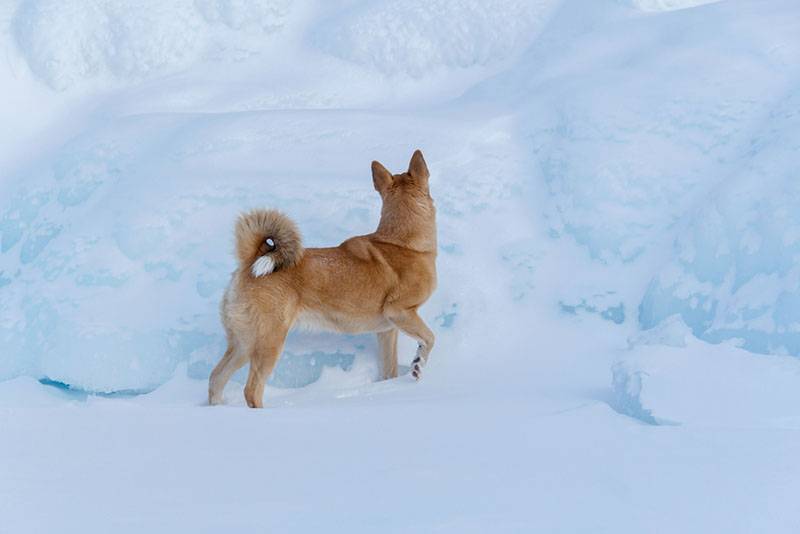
618,314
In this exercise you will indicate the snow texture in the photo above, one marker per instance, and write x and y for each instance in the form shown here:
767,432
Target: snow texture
667,5
416,37
617,316
68,42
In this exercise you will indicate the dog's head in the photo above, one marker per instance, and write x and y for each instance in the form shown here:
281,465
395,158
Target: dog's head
410,185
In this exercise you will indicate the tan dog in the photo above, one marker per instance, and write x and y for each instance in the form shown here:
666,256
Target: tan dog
370,283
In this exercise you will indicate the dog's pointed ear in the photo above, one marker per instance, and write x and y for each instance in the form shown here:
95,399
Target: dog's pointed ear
418,168
381,177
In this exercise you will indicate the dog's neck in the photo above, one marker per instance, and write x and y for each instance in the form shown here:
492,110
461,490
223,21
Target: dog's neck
409,223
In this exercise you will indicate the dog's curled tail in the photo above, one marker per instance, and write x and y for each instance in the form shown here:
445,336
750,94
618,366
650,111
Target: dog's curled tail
266,241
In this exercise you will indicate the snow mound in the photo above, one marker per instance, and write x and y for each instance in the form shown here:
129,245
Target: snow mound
625,157
66,42
735,273
417,36
695,383
685,178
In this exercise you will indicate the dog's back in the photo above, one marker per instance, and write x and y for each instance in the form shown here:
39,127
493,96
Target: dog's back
349,288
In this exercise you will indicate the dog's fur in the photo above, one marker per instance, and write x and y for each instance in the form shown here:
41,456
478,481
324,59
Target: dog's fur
371,283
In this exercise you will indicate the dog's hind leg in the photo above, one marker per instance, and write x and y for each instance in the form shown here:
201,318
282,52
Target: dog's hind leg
387,344
233,360
263,358
412,325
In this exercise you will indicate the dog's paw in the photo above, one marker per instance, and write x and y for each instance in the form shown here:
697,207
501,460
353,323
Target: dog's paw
416,368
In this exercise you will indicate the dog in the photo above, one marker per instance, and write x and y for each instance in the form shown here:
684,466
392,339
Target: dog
370,283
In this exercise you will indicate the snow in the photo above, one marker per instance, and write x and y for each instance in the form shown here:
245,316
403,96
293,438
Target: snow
720,385
667,5
67,43
618,313
416,37
734,274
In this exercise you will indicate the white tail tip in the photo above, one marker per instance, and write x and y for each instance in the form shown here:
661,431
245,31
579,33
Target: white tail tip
263,265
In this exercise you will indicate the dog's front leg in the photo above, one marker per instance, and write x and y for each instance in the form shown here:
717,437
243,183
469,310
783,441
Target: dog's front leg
412,325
